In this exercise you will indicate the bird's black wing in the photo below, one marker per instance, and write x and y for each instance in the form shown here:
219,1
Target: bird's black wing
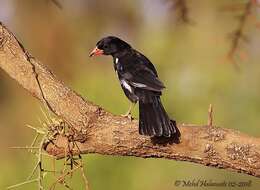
139,72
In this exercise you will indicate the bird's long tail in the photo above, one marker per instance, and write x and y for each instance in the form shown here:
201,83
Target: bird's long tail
154,121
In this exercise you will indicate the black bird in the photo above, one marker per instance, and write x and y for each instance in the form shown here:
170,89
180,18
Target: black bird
140,83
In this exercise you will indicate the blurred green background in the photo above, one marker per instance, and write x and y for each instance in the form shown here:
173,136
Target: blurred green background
191,59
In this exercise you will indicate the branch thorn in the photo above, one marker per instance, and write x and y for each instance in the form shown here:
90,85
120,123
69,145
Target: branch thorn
210,115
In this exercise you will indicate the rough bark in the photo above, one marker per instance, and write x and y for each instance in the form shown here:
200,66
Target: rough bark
99,131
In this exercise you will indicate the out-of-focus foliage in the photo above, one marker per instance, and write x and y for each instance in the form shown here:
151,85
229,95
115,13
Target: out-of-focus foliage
190,58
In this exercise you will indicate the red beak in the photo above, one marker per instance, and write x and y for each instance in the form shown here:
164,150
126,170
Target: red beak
96,52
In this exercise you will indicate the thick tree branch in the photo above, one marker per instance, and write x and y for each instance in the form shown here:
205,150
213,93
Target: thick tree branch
99,131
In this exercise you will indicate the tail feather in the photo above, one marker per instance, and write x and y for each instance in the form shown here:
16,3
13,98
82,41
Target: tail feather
147,122
154,121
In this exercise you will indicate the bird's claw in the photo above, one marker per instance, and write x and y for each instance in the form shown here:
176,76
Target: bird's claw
128,115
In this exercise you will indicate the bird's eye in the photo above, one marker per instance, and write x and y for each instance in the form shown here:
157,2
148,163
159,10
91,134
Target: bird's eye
105,46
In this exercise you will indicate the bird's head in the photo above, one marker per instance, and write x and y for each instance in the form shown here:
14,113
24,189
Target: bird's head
109,46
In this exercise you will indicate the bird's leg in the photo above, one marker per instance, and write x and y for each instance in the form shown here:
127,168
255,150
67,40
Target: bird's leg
128,113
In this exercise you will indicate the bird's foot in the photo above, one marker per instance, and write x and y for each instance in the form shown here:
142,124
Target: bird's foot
127,115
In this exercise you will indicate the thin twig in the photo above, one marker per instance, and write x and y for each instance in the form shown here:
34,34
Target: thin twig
47,117
84,177
34,140
238,35
61,178
182,11
33,171
40,170
40,131
57,3
23,147
21,184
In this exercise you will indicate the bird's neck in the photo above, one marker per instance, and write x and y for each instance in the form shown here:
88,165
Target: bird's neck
121,53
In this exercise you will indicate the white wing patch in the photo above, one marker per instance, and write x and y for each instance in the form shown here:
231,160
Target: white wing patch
126,85
139,85
116,60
